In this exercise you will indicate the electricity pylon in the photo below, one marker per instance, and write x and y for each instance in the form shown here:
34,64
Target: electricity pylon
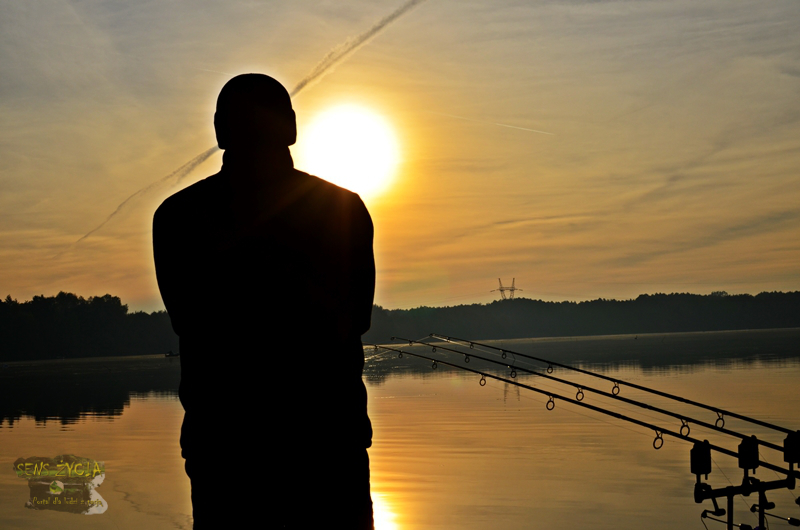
504,289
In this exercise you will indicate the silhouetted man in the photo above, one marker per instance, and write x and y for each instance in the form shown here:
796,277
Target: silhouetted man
268,277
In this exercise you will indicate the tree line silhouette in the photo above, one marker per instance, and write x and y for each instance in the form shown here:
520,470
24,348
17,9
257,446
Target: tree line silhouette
656,313
70,326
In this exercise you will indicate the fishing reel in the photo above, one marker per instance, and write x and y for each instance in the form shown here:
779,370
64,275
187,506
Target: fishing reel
717,511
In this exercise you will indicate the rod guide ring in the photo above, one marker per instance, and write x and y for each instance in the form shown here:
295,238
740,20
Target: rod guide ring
658,443
685,425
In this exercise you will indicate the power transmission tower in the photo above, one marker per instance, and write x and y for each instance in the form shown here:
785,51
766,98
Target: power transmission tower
504,289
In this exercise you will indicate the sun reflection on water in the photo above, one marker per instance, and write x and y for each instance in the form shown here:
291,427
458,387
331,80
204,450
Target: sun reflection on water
382,512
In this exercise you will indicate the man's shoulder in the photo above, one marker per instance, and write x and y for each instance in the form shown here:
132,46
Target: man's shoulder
320,185
191,198
326,191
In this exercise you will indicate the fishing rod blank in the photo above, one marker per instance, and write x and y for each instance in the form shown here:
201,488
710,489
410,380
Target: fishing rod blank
658,442
791,520
741,526
685,420
721,413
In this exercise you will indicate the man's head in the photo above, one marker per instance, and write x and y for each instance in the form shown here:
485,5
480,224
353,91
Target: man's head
254,112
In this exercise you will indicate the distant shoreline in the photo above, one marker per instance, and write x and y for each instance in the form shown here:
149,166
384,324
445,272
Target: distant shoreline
643,335
71,327
652,351
108,358
508,342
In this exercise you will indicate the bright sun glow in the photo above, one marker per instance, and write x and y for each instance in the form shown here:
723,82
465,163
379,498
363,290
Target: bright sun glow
382,513
351,146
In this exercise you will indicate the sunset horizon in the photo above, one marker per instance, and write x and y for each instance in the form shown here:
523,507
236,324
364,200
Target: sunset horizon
589,150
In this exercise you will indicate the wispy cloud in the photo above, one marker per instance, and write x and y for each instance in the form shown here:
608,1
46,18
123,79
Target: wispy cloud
335,57
754,226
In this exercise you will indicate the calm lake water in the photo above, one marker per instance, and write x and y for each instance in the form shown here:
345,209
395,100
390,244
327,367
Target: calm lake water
447,452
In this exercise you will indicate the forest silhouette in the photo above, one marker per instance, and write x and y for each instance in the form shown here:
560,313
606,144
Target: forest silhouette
70,326
67,326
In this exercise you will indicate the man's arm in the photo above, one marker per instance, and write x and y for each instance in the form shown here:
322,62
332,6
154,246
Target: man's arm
363,270
352,281
165,254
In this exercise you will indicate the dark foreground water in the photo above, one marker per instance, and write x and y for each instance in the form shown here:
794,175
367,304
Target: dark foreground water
447,453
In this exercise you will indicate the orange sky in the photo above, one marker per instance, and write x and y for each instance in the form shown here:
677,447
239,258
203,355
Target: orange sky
672,164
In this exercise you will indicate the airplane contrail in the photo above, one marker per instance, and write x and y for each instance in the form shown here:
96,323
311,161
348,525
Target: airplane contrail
336,56
491,123
351,45
181,172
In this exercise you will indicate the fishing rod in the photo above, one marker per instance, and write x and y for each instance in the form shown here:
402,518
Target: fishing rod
721,413
552,396
700,454
685,420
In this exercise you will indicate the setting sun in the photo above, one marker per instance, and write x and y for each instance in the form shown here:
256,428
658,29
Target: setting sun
352,147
